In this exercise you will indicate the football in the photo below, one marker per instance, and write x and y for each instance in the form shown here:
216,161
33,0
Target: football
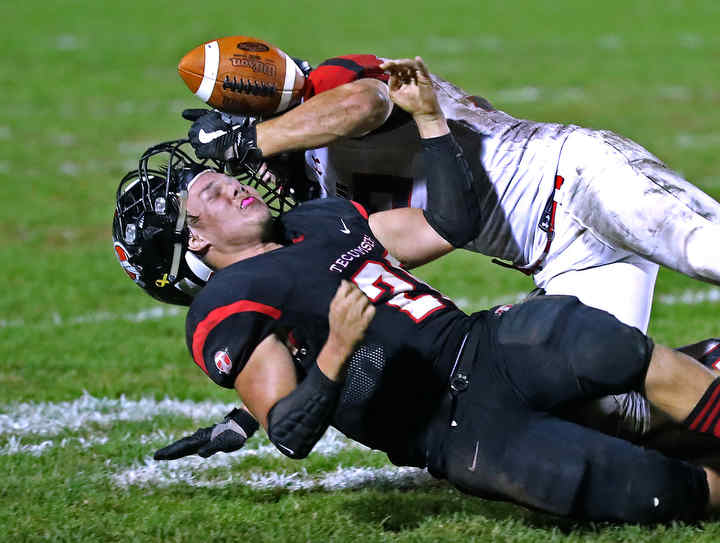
240,74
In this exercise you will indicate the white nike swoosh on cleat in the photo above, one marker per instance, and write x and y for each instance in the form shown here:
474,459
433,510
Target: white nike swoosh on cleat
344,229
206,137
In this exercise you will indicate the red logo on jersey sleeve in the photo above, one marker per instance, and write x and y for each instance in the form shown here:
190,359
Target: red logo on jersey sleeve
223,362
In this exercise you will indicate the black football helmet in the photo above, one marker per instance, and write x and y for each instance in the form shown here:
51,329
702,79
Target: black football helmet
150,235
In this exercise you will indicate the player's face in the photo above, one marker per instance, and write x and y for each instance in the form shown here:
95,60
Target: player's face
226,213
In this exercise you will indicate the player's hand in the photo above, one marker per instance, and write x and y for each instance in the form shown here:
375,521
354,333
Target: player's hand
194,114
227,436
350,315
411,87
213,136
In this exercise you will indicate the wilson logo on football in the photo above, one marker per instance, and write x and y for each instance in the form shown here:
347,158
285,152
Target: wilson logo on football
122,255
223,362
256,65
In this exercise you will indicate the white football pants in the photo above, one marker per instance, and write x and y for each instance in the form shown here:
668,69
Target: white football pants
621,212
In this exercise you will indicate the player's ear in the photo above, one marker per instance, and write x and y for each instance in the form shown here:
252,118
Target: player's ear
196,243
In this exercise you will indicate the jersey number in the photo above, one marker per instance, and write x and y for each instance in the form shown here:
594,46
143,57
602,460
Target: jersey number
375,278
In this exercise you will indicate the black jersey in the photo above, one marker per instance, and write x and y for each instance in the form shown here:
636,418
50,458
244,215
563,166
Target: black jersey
394,378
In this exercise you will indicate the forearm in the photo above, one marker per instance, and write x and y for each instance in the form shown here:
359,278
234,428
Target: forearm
351,110
298,421
431,126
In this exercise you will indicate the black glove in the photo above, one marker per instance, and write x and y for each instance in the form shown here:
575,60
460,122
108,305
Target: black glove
193,115
304,66
227,436
213,136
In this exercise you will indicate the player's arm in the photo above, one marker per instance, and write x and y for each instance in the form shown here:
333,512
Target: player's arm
350,110
294,414
452,216
407,236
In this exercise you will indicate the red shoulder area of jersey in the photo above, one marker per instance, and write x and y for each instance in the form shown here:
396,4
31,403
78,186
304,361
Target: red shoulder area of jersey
219,314
340,70
360,209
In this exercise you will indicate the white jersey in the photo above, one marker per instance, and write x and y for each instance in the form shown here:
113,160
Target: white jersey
619,213
515,160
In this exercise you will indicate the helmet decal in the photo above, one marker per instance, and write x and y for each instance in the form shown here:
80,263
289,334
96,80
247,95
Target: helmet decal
131,270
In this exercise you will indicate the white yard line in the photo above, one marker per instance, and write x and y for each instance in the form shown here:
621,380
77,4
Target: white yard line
186,471
690,297
46,419
14,445
50,419
686,297
24,421
687,140
153,313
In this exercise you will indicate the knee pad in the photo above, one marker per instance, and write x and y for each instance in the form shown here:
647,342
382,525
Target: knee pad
533,322
607,356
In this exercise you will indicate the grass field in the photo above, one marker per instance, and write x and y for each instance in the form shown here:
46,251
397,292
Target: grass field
94,376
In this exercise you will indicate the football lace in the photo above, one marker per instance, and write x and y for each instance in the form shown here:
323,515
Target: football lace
248,87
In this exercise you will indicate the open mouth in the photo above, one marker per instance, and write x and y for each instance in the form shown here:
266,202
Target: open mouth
246,202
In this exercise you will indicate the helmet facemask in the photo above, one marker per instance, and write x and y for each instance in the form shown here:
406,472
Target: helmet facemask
150,233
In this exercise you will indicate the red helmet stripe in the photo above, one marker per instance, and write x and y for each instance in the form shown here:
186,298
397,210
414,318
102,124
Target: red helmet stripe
122,255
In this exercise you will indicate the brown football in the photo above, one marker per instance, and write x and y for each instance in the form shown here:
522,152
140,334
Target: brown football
240,74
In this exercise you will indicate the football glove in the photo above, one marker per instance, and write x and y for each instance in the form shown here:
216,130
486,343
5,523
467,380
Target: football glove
194,114
304,66
227,436
216,135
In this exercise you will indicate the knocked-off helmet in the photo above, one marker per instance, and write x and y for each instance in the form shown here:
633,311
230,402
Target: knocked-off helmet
150,234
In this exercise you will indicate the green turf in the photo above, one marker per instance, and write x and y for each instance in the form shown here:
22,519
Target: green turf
88,85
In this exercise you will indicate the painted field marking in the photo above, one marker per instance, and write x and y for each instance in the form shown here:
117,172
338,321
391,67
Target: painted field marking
15,446
697,141
686,297
154,313
184,471
50,419
46,419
